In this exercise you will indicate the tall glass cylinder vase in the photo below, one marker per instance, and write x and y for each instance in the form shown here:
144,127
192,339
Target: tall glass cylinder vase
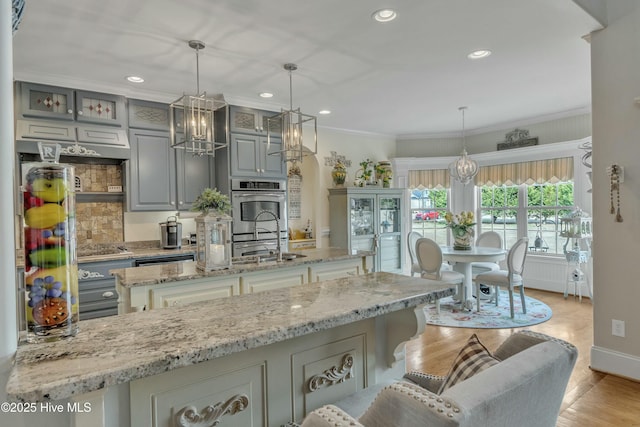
51,268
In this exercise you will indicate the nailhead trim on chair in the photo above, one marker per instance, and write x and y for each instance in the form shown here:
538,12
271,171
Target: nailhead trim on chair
441,405
335,417
545,337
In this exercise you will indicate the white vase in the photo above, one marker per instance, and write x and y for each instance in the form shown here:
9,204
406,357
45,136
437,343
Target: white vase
463,238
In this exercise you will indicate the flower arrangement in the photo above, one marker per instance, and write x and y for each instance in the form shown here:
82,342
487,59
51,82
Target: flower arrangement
211,199
367,169
462,221
364,175
461,226
339,173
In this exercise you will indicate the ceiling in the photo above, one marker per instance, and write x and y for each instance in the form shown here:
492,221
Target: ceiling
404,78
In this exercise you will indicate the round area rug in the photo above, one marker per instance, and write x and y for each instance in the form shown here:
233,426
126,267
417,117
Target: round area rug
490,316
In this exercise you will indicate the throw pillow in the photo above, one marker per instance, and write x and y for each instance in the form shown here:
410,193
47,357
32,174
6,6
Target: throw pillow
472,359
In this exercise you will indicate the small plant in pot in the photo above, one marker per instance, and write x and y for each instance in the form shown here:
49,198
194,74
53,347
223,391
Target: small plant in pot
212,200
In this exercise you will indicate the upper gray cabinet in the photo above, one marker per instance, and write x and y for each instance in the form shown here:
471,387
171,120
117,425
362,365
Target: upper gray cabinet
52,102
161,178
148,115
151,172
251,121
250,156
249,147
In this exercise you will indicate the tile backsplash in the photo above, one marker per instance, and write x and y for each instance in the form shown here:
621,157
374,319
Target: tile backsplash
98,177
99,222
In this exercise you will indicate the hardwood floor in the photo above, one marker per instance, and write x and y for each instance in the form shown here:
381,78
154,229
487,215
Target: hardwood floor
592,399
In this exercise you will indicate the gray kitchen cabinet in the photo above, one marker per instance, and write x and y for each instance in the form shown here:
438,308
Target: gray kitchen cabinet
249,147
97,288
52,102
252,121
369,218
148,115
151,172
161,178
250,156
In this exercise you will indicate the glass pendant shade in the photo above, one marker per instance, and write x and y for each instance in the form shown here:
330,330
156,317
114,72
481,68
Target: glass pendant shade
192,118
291,123
464,169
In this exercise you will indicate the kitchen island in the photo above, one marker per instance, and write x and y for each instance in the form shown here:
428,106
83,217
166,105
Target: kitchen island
301,347
160,286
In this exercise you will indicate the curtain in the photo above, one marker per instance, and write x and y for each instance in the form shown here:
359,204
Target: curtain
429,179
535,172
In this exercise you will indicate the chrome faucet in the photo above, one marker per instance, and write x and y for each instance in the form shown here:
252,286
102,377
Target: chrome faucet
255,231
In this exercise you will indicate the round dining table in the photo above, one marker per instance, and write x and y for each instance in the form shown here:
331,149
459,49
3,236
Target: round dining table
463,260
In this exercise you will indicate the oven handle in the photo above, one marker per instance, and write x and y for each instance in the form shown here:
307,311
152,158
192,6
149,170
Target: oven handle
256,194
252,244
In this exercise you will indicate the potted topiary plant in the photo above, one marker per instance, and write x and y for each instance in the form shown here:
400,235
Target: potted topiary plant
211,200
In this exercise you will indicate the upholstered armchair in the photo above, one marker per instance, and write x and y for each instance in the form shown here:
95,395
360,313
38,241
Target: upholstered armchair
523,387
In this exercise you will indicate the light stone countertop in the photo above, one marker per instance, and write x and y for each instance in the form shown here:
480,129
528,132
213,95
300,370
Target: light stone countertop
120,349
154,274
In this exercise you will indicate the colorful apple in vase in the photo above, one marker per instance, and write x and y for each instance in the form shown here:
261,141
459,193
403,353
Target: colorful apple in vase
51,190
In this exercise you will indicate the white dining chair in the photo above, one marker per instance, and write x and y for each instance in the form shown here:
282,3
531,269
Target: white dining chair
429,256
490,239
510,278
412,238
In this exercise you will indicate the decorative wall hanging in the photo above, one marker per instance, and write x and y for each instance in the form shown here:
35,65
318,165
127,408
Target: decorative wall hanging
294,188
586,159
517,138
335,158
616,177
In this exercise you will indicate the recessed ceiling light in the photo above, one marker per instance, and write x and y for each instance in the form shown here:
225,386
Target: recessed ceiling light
266,95
135,79
384,15
324,112
477,54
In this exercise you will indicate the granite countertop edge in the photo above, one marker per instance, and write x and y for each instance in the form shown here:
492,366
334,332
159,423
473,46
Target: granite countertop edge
27,384
156,274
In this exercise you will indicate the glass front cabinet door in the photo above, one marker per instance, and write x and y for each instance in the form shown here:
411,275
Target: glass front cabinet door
361,223
369,219
389,228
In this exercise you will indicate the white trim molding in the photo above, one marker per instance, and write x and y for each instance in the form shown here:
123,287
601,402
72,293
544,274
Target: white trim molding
616,363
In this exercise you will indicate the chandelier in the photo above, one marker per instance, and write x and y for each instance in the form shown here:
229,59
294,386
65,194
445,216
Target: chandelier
288,126
465,168
192,117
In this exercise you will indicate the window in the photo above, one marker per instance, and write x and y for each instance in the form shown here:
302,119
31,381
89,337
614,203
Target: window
527,210
428,208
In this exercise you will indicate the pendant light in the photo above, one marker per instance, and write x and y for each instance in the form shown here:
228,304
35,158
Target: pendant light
287,126
465,168
192,117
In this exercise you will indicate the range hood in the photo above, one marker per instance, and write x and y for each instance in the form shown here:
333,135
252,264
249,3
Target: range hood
91,144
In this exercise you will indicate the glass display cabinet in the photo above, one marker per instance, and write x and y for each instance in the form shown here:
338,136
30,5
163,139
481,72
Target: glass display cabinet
369,219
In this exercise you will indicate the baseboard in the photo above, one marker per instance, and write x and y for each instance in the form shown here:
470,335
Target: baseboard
616,363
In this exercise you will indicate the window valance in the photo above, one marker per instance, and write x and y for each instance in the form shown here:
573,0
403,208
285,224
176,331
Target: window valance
429,179
535,172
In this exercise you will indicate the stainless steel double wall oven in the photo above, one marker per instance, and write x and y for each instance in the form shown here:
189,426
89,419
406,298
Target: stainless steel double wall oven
255,232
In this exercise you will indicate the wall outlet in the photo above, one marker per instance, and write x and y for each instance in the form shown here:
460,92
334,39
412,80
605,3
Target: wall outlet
114,189
617,328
